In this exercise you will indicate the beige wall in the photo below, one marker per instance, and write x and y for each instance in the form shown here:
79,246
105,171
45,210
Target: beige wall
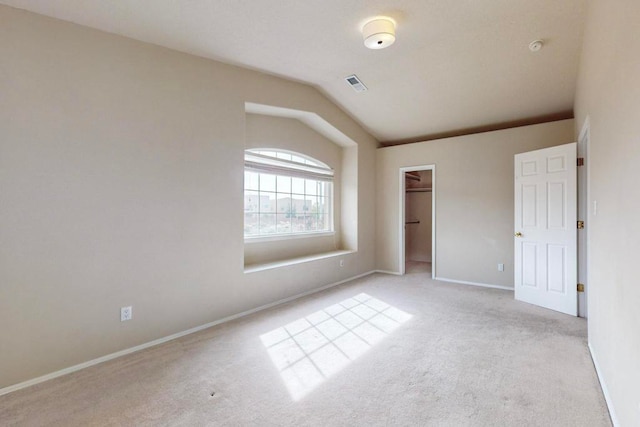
609,94
474,199
121,168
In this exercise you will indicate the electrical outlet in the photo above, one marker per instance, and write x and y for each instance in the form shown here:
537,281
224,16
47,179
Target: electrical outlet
341,263
500,267
126,313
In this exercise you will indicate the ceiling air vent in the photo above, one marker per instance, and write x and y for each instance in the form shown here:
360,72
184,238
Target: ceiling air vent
355,83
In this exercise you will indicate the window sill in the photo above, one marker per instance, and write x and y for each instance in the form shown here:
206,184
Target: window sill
276,237
288,262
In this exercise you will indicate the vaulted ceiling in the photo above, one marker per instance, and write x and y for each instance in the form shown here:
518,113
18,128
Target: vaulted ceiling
456,67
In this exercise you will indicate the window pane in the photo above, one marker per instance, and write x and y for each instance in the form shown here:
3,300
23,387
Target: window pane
267,202
297,220
267,223
284,184
314,205
267,182
323,222
311,186
310,221
251,201
250,180
297,185
300,204
283,203
324,189
307,204
297,159
251,224
322,205
283,222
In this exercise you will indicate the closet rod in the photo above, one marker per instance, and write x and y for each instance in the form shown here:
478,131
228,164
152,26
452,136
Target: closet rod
418,190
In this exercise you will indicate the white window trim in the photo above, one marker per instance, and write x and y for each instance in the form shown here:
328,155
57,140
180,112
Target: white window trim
287,236
268,164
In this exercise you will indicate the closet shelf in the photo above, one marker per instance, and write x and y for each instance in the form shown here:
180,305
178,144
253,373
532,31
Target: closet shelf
418,190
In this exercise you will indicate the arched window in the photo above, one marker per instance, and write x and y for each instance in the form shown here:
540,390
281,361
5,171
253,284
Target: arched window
286,193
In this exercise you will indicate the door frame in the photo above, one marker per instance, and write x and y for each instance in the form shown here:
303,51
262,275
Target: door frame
401,219
584,204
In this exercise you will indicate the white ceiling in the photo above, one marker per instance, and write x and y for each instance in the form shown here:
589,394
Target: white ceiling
457,65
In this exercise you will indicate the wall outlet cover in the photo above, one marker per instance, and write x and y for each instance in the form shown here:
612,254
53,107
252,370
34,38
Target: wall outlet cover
126,313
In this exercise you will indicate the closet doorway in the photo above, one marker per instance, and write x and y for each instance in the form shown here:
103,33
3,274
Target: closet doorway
417,215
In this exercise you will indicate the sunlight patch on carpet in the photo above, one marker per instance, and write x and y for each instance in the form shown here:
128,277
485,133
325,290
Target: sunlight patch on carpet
309,350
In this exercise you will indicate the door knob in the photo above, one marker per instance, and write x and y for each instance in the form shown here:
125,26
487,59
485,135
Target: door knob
518,234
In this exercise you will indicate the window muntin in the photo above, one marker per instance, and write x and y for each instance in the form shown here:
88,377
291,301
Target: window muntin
285,194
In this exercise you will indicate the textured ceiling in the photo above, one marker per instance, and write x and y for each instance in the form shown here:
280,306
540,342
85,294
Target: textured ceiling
456,67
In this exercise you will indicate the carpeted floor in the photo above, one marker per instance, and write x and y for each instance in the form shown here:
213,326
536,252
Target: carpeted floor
383,351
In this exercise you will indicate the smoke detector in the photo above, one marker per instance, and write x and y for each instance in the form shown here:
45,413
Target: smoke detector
379,33
536,45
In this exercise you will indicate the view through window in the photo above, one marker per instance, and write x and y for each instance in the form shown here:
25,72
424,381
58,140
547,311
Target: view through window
286,193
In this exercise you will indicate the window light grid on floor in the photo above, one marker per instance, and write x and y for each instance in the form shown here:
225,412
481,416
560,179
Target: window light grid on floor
309,350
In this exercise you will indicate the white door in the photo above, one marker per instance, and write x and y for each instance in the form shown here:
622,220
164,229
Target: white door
545,228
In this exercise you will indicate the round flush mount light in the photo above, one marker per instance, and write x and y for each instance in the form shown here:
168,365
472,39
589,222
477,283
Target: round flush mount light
536,45
379,33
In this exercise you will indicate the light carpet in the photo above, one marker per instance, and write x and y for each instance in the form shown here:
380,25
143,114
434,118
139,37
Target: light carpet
380,351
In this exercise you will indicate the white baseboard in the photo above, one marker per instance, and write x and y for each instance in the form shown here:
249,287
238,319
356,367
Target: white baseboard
605,390
395,273
484,285
74,368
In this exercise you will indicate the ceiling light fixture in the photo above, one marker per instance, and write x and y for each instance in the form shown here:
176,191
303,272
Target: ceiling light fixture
379,33
536,45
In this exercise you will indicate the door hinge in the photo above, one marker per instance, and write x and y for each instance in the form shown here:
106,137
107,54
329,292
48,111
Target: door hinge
580,161
580,287
580,225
